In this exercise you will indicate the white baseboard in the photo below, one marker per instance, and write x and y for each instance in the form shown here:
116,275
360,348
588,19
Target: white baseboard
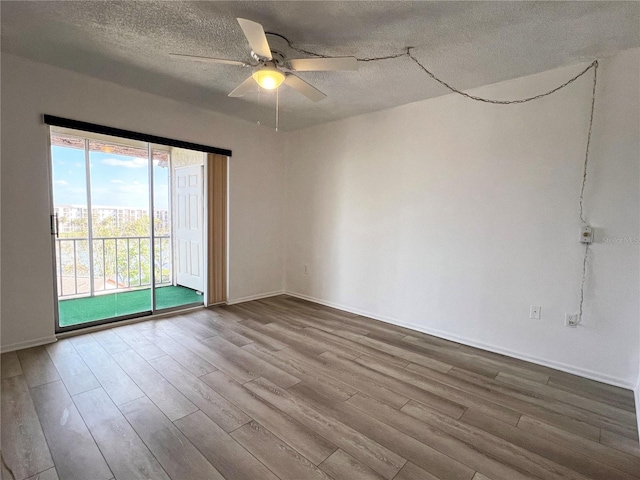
27,344
254,297
599,377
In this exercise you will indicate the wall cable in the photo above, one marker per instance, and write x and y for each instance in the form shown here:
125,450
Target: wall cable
586,154
593,65
365,59
408,53
584,184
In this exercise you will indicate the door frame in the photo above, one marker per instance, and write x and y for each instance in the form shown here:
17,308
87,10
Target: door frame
54,234
146,313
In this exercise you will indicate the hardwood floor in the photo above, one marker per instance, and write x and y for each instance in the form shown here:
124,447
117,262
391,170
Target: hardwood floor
283,388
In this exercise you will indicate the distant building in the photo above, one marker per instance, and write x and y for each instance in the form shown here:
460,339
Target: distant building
68,215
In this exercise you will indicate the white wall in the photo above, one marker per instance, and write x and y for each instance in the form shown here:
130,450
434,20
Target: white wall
453,217
29,90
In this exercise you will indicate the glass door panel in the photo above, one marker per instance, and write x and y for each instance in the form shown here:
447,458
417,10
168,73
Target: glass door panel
130,236
120,229
71,217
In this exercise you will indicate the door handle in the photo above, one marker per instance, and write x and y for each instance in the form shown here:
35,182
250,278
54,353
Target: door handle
55,225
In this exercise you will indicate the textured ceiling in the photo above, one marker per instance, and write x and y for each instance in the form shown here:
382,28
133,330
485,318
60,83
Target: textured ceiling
466,43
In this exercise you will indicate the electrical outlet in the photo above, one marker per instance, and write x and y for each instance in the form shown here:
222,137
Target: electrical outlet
534,312
305,269
571,320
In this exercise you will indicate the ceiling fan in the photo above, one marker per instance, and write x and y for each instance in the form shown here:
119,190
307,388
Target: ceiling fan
272,67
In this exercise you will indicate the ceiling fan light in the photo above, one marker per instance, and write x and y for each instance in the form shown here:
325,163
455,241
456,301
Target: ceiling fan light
268,78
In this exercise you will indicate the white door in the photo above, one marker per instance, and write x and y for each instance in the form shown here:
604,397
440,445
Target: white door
189,229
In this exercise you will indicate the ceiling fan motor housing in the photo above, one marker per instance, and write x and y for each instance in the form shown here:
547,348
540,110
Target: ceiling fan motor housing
277,58
279,49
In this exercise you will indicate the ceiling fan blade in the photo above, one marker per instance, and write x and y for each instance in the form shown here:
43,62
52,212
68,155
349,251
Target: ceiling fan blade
249,85
325,64
210,60
312,93
256,37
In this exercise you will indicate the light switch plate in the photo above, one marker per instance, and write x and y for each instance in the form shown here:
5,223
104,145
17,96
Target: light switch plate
586,234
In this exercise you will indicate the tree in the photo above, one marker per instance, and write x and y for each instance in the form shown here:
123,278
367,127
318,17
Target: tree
121,250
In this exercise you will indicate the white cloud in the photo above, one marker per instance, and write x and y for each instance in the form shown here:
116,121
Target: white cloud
117,181
134,163
62,182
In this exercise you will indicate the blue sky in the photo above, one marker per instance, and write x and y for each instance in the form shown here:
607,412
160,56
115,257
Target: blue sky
116,180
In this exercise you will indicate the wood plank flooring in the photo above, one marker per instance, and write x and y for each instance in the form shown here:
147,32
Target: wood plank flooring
281,388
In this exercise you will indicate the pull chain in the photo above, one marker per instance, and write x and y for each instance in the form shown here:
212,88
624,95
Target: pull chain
277,107
259,90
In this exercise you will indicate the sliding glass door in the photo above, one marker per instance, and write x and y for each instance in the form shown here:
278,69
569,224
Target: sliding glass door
112,223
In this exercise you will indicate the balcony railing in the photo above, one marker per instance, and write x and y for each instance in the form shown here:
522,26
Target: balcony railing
119,263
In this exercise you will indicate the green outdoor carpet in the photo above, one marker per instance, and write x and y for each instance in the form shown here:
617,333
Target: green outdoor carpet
88,309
